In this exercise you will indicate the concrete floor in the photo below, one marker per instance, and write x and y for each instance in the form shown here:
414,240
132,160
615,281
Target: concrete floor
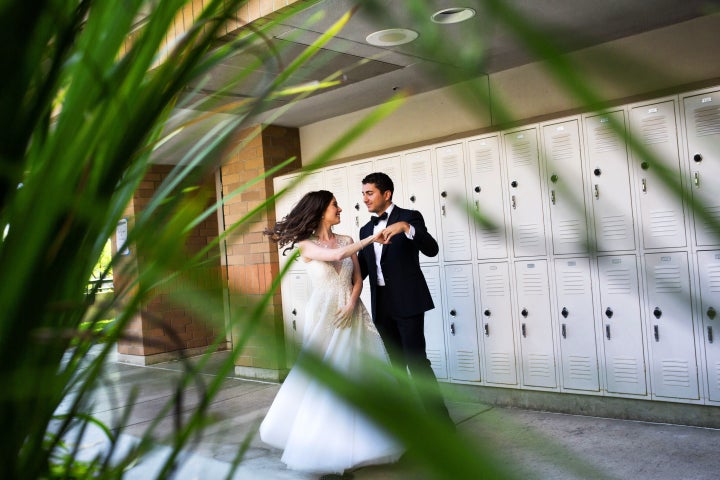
532,445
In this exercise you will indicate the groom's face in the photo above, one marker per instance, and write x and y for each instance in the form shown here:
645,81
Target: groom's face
375,200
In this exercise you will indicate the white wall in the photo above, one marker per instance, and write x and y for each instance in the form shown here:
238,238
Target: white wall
678,56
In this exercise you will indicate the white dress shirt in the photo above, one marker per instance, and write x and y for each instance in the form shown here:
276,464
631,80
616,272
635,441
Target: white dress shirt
378,246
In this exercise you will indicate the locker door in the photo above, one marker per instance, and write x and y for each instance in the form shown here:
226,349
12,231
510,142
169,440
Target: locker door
661,206
392,166
612,204
419,180
356,209
434,327
336,181
486,188
526,215
455,231
709,268
702,125
460,316
567,196
536,340
576,324
295,289
671,334
622,325
497,325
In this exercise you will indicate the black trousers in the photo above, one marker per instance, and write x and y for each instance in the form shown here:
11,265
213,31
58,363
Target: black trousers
404,339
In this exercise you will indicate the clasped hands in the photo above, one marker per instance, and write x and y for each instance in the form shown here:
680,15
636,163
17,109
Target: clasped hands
383,236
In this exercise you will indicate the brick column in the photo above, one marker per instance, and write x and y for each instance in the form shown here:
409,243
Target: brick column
163,329
252,260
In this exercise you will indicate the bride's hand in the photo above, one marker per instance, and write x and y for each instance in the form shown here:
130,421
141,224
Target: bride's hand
344,316
380,238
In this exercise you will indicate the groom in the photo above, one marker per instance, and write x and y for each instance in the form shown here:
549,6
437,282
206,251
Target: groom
400,296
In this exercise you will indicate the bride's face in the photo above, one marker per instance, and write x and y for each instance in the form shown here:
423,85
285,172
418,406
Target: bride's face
331,216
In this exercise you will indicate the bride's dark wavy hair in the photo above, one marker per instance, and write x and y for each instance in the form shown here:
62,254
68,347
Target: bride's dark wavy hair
302,221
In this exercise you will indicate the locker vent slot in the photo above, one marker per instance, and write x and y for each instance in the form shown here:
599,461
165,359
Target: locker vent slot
717,376
528,235
581,368
460,286
675,373
707,120
625,370
569,231
654,130
713,212
522,154
490,239
664,223
436,359
606,140
456,242
494,285
465,361
418,173
532,284
433,286
713,272
667,279
562,148
540,365
500,364
451,165
618,281
483,161
573,283
613,227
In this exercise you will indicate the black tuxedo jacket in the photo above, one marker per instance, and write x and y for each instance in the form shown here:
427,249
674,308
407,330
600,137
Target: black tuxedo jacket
400,262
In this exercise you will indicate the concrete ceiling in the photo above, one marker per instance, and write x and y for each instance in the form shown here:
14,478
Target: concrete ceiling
370,75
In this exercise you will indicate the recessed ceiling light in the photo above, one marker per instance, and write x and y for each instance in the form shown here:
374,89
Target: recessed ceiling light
453,15
391,37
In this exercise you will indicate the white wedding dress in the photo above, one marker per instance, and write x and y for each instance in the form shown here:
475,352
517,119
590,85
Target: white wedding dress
318,431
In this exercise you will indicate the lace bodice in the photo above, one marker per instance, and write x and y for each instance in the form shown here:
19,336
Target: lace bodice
331,275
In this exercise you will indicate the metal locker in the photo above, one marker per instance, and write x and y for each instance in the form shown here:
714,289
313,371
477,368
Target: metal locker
356,210
536,339
671,336
296,289
455,229
702,126
659,180
496,329
709,268
486,192
576,325
622,325
392,166
608,168
463,351
418,177
336,181
565,180
526,216
434,327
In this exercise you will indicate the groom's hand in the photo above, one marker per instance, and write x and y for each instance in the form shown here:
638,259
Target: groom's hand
392,230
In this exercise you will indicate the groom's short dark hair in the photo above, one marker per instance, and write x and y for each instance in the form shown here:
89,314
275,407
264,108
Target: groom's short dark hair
381,181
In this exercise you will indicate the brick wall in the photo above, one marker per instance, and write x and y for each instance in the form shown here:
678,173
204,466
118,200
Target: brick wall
164,325
252,260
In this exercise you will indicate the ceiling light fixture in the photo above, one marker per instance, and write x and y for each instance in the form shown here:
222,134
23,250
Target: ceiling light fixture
391,37
453,15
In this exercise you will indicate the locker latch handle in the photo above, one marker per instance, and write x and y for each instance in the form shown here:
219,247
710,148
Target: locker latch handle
597,191
710,334
564,331
607,331
644,185
487,330
452,328
696,179
294,325
524,330
656,333
552,196
514,202
442,210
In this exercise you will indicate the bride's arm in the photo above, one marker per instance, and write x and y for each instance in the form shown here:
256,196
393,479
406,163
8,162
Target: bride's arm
344,318
311,250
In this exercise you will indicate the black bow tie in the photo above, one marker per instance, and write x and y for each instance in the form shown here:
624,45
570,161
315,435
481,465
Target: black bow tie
378,218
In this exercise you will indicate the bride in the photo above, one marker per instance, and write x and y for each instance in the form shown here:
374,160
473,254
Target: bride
318,431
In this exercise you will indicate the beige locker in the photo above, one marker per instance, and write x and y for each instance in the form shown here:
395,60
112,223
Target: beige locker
709,270
434,326
454,223
419,187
